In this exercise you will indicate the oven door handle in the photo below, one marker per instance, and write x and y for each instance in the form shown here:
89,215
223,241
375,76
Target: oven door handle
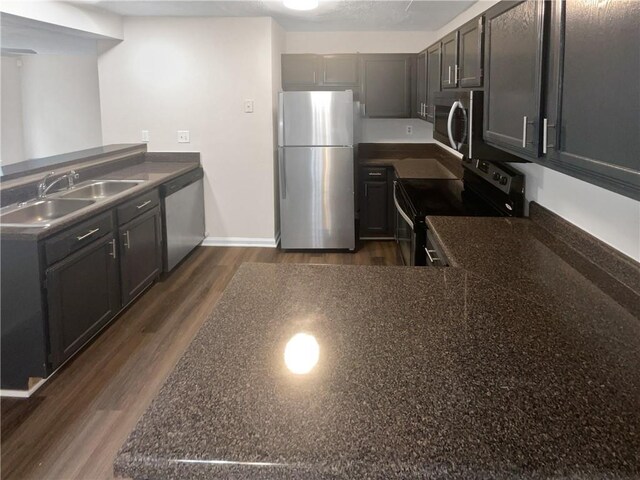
400,211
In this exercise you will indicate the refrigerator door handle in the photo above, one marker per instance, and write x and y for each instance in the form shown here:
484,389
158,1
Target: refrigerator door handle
283,174
280,119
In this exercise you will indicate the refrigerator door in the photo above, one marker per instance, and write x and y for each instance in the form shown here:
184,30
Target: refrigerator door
316,197
316,119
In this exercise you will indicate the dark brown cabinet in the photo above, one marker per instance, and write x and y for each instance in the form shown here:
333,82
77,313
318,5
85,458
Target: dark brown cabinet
376,198
514,42
141,253
421,85
592,126
433,78
323,72
386,85
340,71
449,74
300,71
83,294
471,48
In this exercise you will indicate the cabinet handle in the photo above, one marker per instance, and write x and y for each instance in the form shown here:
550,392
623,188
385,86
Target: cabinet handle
127,242
314,77
88,234
144,204
366,189
449,80
524,131
433,259
544,136
113,248
375,174
455,75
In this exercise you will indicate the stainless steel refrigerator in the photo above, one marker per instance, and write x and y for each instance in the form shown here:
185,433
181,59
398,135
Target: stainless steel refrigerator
316,167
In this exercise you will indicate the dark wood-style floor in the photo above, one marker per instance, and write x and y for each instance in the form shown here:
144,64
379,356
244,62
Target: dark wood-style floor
74,425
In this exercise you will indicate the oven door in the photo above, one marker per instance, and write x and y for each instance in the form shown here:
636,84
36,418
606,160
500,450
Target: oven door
405,237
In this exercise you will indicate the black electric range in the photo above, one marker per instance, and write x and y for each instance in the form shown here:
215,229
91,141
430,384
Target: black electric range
486,189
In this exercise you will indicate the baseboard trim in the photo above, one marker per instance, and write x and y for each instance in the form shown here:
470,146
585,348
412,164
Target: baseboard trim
241,242
22,393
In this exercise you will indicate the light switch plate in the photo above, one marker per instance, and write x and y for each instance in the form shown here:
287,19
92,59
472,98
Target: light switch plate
248,106
145,136
183,136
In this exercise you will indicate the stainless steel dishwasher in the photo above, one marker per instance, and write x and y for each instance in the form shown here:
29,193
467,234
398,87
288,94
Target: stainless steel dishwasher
183,211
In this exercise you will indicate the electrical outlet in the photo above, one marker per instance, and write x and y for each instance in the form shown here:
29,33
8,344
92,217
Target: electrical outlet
183,136
409,130
145,136
248,106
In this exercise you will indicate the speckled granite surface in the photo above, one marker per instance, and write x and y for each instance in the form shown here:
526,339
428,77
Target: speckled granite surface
413,167
152,174
423,373
531,261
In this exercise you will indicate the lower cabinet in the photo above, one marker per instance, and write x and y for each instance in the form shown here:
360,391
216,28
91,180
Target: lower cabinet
83,294
376,200
141,257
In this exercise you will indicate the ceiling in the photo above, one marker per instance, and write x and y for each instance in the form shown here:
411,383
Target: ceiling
344,15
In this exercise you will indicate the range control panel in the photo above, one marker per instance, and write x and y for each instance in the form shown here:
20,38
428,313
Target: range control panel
503,177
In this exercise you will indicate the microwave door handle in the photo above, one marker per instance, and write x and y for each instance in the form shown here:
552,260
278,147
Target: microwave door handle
466,125
450,127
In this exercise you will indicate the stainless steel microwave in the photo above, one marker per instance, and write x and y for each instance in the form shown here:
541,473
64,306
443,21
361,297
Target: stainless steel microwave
458,124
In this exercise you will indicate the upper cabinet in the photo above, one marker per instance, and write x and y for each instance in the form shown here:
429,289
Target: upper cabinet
433,78
421,85
340,70
300,71
321,72
386,85
449,76
471,48
592,128
513,76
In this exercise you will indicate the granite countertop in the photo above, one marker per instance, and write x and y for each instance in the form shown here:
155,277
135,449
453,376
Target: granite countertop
422,373
153,173
430,168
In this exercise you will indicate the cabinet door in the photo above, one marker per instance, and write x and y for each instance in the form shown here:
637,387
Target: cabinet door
471,49
141,259
592,102
513,73
300,71
340,70
375,213
433,78
421,85
82,296
386,83
450,61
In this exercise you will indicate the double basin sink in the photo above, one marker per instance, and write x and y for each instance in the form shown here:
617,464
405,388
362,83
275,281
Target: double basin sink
39,213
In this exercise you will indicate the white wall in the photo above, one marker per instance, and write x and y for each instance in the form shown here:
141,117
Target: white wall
278,46
60,104
77,17
362,42
394,130
612,218
193,74
11,113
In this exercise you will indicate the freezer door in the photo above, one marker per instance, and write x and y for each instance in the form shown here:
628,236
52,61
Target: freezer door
316,119
317,198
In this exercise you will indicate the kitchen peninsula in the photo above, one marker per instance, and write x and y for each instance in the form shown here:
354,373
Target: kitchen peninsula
422,373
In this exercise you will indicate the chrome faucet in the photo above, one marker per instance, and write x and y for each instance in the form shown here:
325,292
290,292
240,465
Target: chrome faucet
43,188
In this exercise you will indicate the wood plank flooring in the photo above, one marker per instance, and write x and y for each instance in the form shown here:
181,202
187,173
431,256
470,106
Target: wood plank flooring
74,425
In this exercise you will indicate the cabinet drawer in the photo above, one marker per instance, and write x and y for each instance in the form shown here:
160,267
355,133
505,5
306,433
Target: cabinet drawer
73,239
374,173
143,203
